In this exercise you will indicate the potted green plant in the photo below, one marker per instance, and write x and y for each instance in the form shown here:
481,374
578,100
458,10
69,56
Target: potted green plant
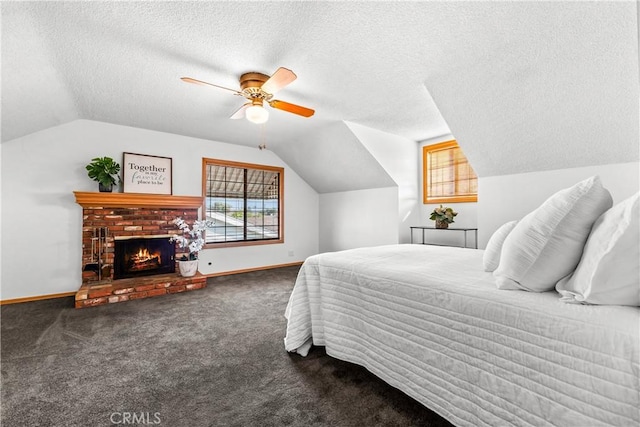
104,170
443,216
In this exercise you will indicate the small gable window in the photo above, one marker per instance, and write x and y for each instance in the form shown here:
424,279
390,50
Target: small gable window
243,202
447,175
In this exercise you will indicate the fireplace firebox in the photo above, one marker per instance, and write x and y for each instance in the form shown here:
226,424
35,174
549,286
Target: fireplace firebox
143,256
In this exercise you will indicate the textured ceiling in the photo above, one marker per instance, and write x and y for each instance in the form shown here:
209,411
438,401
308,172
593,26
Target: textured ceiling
525,81
554,86
120,62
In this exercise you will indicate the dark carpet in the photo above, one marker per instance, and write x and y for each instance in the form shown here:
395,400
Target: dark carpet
212,357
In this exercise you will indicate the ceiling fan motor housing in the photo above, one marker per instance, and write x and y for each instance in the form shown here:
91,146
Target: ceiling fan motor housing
252,79
251,84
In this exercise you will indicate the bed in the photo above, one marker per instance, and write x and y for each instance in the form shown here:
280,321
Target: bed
431,322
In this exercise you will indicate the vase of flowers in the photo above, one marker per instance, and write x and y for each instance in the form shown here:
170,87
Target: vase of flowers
191,239
443,216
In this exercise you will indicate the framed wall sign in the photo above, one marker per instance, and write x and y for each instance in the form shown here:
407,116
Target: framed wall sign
146,174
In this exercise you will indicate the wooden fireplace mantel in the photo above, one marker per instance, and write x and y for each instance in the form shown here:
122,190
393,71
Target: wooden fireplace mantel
136,200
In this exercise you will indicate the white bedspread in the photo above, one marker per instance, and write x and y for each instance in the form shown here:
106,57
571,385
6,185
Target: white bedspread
429,321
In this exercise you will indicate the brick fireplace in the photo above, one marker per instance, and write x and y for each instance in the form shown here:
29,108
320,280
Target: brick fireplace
141,221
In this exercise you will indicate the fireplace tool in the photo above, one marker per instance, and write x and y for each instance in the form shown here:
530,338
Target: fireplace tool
98,251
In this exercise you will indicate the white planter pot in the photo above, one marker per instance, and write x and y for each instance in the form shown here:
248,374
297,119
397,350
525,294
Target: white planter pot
188,268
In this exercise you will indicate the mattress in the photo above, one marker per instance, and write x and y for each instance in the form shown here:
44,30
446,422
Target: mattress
429,321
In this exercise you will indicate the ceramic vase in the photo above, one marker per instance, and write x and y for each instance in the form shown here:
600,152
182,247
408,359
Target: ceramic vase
188,268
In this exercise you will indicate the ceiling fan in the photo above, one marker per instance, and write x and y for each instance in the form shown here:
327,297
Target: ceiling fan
258,88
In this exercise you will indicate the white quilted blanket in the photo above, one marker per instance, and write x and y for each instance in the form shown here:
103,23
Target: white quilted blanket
429,321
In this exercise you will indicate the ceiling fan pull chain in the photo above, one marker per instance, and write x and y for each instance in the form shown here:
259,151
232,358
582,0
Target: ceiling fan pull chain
263,138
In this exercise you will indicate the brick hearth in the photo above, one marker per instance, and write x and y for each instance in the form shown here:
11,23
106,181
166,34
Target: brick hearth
142,287
129,214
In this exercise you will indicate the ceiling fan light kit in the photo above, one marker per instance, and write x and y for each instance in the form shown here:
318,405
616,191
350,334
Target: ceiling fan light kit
257,88
256,114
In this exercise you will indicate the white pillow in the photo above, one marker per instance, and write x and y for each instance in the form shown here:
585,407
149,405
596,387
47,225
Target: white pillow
546,245
609,271
491,257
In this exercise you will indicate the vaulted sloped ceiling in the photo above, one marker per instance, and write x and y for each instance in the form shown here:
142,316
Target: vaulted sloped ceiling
121,62
334,159
555,85
522,85
35,95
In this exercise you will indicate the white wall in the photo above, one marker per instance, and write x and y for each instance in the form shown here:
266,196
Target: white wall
375,216
398,157
41,223
508,197
352,219
0,221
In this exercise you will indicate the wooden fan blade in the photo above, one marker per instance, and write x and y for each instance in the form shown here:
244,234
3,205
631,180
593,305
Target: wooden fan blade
279,79
200,82
292,108
239,114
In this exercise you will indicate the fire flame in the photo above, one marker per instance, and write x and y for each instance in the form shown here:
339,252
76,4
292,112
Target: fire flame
143,260
143,254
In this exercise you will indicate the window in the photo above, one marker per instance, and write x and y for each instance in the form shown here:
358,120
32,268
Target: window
243,202
448,176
